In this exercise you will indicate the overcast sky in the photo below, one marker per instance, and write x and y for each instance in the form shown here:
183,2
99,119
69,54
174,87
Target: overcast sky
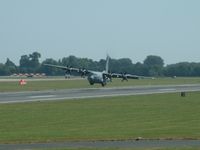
92,28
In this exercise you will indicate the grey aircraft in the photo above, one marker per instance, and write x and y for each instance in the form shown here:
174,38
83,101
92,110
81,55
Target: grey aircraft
95,76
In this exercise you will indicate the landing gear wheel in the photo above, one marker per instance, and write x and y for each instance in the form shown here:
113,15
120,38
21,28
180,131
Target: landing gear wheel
103,84
91,83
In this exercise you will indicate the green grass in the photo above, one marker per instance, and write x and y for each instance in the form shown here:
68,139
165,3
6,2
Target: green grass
125,149
154,116
64,84
42,85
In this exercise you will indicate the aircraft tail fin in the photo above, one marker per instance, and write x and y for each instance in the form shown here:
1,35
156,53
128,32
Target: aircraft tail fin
107,63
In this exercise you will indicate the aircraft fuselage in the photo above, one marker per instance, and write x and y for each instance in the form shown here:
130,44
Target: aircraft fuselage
96,77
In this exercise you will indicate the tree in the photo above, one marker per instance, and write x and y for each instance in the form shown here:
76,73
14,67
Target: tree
29,64
2,69
154,64
10,67
140,69
24,64
34,60
70,61
9,63
153,61
196,69
123,65
183,69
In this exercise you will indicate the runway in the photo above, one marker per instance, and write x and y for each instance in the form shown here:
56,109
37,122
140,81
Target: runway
106,144
15,97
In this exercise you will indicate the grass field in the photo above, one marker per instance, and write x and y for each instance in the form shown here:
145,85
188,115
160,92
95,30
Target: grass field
126,149
64,84
158,116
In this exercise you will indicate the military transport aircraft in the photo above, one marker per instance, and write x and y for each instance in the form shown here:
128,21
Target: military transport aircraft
96,76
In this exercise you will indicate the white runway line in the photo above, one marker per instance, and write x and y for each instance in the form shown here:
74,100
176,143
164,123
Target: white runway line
42,96
167,89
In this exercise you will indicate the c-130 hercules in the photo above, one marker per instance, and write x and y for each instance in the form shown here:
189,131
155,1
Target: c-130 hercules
95,76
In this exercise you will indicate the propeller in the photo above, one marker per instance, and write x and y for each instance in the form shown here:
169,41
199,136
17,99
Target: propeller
107,76
68,72
124,77
110,76
83,72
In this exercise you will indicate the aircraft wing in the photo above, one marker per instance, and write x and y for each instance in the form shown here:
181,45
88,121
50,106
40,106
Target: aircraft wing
70,70
62,67
125,76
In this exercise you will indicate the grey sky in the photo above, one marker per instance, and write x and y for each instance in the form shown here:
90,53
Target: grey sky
92,28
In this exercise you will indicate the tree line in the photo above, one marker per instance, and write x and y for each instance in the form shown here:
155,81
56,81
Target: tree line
151,66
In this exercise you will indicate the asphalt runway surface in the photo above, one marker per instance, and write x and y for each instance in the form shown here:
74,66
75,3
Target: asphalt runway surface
13,97
106,144
73,94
